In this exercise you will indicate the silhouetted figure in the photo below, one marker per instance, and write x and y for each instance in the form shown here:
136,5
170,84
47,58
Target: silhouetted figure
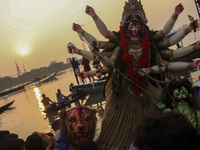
46,101
76,69
86,65
60,97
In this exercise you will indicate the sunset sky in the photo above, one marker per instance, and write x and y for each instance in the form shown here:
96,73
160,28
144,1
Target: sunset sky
36,32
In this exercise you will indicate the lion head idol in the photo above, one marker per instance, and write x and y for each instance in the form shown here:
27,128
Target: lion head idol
81,125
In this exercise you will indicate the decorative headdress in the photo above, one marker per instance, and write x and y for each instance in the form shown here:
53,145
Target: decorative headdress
133,8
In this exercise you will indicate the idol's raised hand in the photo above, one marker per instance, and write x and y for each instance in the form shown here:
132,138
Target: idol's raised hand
178,9
193,24
144,71
72,49
77,28
90,11
196,63
198,45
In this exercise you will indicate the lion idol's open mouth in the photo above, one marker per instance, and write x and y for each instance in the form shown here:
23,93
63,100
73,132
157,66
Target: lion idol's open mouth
80,137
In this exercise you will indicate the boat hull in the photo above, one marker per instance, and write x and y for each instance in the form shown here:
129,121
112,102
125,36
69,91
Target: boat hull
5,107
90,87
55,107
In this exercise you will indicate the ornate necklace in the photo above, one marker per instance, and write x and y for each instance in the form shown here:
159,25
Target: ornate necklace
135,53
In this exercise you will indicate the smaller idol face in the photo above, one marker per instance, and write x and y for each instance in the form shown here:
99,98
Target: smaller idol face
134,28
181,94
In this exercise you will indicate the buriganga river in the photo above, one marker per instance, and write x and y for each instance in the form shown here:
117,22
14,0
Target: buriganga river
25,115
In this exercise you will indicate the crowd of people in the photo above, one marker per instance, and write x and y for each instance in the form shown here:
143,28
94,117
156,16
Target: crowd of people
166,131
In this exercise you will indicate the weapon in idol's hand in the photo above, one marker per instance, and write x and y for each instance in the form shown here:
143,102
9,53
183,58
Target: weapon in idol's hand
71,45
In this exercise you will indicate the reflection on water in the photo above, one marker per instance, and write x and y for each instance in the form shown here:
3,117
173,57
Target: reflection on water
39,98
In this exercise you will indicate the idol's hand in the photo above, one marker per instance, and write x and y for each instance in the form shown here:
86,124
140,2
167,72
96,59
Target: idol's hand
193,24
83,75
72,49
196,63
198,45
90,11
144,71
178,9
161,105
77,28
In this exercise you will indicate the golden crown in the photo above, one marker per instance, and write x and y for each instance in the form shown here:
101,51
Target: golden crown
133,8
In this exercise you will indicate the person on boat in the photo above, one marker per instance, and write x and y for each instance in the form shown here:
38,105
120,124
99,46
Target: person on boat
46,101
180,99
86,65
75,64
60,97
127,93
74,93
99,70
73,90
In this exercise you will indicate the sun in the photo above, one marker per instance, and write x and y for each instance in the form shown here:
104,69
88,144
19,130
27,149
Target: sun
23,51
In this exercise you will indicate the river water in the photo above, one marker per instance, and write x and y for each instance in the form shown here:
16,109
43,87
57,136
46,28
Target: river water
25,115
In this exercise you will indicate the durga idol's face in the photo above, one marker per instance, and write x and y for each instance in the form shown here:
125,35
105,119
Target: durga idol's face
134,28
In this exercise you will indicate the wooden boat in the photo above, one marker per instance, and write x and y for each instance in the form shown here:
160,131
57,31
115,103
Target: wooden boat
56,106
91,87
6,106
38,81
12,90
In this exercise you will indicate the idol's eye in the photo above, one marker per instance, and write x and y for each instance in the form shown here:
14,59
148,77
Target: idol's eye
72,120
184,92
137,27
176,94
88,119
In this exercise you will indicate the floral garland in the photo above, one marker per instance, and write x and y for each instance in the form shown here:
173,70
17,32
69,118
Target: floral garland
144,61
